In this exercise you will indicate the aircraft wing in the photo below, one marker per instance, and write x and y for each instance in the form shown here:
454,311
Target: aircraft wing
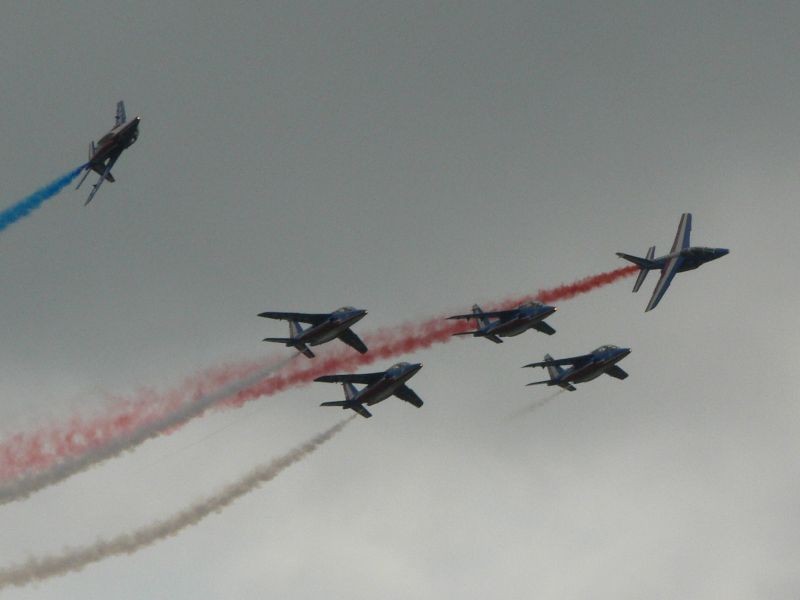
104,174
120,118
408,395
663,283
615,371
560,361
497,314
684,231
312,318
352,340
544,328
365,378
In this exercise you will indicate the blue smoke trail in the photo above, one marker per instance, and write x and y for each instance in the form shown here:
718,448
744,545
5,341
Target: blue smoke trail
27,205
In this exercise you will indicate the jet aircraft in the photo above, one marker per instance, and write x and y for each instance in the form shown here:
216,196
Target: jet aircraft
681,257
103,156
324,328
506,323
377,387
583,368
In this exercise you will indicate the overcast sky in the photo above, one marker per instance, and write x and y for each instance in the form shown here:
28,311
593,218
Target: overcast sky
412,158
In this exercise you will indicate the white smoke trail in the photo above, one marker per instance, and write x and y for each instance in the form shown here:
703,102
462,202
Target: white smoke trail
75,559
26,485
535,406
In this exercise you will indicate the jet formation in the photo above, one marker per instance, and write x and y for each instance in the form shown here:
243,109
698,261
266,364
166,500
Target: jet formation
104,155
492,325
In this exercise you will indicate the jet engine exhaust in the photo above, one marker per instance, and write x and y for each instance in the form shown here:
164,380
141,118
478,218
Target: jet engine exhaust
125,439
27,205
76,558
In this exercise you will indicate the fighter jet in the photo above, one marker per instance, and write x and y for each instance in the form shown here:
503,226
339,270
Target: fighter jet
103,156
583,368
507,323
681,258
378,386
324,328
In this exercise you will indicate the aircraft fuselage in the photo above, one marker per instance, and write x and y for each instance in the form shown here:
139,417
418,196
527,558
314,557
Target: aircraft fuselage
518,324
114,142
599,364
387,385
330,329
691,258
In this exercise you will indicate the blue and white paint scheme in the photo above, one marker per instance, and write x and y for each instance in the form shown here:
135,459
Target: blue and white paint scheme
507,323
377,387
323,328
583,368
681,257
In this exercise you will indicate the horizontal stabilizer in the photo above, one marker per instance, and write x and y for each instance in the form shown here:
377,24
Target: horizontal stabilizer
359,408
287,341
292,344
642,263
545,382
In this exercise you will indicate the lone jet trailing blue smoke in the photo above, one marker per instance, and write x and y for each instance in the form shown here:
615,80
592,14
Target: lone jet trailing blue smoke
506,323
324,328
583,368
681,257
103,156
378,387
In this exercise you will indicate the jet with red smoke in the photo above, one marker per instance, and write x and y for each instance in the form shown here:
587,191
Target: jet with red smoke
378,386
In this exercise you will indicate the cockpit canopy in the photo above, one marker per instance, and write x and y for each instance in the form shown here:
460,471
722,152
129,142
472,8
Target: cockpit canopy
606,348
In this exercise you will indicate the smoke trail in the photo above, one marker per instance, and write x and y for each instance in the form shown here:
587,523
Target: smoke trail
27,205
44,449
24,486
533,407
75,559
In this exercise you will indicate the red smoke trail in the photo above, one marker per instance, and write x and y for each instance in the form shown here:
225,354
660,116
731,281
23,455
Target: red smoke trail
29,452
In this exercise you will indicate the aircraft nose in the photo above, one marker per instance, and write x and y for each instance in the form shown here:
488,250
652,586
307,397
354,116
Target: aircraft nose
723,251
624,352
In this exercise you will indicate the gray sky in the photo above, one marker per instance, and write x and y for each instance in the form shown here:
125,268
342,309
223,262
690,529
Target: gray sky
412,158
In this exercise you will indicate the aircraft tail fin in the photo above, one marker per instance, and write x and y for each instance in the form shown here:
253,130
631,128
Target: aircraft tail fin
478,312
295,329
555,371
644,271
642,263
350,390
